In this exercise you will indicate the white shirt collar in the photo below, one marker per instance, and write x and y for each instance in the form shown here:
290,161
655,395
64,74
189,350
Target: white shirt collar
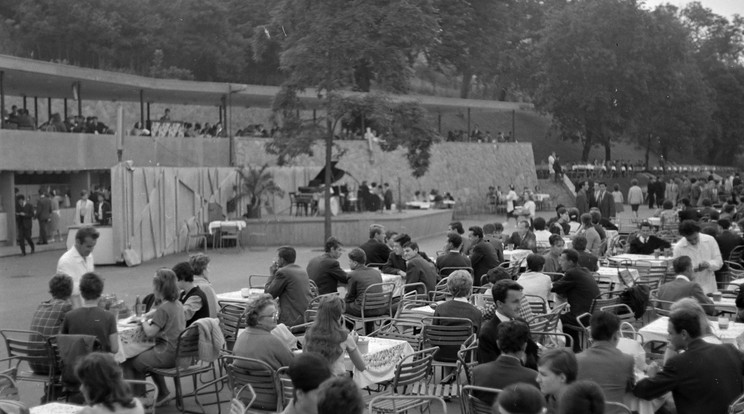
683,277
502,317
461,300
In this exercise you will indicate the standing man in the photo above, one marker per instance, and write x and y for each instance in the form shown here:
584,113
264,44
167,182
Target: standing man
603,363
44,215
705,378
84,209
704,252
635,196
582,202
362,277
605,202
388,197
24,216
78,260
578,288
551,161
660,192
594,195
325,271
103,210
375,249
290,284
482,254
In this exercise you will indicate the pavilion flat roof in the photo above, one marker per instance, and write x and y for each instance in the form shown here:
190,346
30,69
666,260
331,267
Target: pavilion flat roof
28,77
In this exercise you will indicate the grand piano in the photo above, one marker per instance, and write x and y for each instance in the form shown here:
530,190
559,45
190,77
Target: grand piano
309,199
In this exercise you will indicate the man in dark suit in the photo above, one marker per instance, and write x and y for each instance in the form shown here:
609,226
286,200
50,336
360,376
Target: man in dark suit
605,201
362,277
708,210
387,196
482,254
489,235
507,296
603,363
578,288
645,242
507,369
325,271
727,242
594,195
103,210
523,238
582,201
452,257
375,248
586,259
683,286
651,192
418,269
24,216
688,212
705,378
44,215
660,188
289,283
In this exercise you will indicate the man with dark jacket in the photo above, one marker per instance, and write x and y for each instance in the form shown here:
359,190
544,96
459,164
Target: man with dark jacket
44,215
705,378
418,269
482,254
452,257
290,284
375,249
362,277
688,212
645,242
325,271
727,240
684,286
523,238
586,259
24,216
579,289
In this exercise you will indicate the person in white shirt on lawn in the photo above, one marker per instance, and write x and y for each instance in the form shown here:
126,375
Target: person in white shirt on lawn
704,252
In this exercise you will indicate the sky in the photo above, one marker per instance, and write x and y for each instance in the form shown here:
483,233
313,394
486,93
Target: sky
725,8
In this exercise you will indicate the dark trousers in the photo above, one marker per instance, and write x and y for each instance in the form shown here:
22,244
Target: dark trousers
24,235
44,231
650,200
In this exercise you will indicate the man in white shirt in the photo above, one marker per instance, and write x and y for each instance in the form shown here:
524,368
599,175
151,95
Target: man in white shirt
78,260
84,209
704,252
533,281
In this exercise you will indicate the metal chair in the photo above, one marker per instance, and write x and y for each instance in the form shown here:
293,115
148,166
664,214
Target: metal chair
197,234
286,389
466,359
150,389
604,283
9,388
440,292
237,406
553,340
402,330
187,348
230,232
258,281
314,291
21,348
231,316
260,375
413,377
448,334
547,322
538,304
445,271
651,272
474,405
737,407
389,403
736,254
377,301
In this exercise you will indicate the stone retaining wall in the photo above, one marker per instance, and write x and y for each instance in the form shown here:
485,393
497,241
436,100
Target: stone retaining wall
463,169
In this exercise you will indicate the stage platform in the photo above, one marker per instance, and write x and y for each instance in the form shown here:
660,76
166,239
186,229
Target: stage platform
351,228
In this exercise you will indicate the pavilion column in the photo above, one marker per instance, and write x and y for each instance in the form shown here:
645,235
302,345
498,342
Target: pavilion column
2,100
142,109
36,112
49,107
65,109
468,124
79,99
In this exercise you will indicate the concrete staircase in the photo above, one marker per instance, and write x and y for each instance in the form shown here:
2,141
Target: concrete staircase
559,194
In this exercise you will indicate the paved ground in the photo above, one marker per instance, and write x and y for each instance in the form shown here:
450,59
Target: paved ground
24,279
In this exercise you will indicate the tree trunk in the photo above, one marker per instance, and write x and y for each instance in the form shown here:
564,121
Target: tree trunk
327,180
648,148
588,140
608,149
467,77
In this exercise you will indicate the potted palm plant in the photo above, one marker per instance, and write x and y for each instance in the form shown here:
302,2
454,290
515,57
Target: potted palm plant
256,184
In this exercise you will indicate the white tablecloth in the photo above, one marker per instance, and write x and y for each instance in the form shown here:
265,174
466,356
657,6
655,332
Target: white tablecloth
611,272
56,408
654,221
214,225
657,331
515,256
132,340
642,257
726,304
237,296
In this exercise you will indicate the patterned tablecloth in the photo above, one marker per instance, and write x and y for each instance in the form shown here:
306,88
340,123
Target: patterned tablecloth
132,340
380,361
56,408
657,331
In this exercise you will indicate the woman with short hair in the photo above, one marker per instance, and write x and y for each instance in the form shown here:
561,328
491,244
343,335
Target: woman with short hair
329,337
460,286
103,386
200,265
256,341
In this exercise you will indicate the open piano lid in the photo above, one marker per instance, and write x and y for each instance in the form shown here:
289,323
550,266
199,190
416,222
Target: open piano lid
336,174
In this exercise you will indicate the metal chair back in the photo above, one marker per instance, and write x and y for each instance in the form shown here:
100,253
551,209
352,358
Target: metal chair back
286,389
376,297
446,334
538,304
474,405
402,330
414,368
260,375
258,281
232,319
441,291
